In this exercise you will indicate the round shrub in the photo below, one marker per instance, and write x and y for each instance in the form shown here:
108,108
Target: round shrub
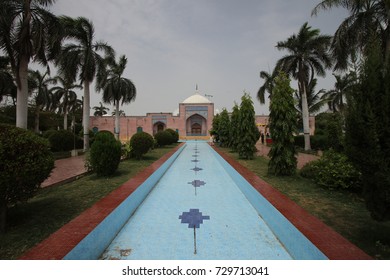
60,140
105,154
25,162
333,171
141,143
175,135
163,138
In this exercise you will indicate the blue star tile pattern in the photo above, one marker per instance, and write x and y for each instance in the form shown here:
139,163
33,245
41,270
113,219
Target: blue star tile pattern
197,183
195,160
197,169
193,218
194,155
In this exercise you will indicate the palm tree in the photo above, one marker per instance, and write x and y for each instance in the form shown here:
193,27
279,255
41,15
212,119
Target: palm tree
366,17
66,97
42,96
336,96
121,113
82,56
27,31
100,110
307,56
117,88
315,100
269,79
7,85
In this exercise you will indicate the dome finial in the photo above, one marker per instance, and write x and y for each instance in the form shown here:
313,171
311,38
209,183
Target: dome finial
196,87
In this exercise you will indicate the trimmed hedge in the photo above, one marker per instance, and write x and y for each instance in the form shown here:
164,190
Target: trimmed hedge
62,140
141,143
164,138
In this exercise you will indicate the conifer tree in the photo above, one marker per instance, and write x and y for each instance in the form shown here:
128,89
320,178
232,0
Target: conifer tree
235,128
224,128
282,126
368,132
248,132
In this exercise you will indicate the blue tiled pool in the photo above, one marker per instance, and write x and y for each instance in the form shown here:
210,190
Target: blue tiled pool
202,209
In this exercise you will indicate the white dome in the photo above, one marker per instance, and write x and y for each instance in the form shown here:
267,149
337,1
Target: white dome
196,99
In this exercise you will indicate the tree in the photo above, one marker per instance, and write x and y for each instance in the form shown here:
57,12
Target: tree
215,128
249,134
224,128
269,79
66,96
100,110
337,96
28,31
282,124
117,88
315,100
366,17
82,56
7,85
235,127
42,96
307,56
368,131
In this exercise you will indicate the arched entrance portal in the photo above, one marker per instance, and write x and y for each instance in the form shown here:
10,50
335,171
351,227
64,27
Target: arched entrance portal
196,125
158,126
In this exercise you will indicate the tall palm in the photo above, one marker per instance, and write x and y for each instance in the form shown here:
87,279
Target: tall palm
308,56
315,100
42,96
66,97
365,17
337,96
82,56
268,85
28,31
100,110
117,88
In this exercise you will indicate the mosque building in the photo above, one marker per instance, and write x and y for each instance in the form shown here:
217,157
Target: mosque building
193,121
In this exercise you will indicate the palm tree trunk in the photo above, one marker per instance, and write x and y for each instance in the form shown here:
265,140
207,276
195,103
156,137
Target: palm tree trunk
117,120
22,94
65,119
86,115
305,118
37,111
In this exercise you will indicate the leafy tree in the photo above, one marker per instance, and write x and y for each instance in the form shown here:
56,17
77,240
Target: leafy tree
249,134
25,162
235,128
28,31
365,17
83,57
224,128
118,89
100,110
7,85
269,81
141,143
308,55
368,131
163,138
215,127
336,97
282,124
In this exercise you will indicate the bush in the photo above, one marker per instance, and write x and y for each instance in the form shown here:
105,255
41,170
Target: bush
163,138
333,171
175,135
25,162
60,140
105,154
141,143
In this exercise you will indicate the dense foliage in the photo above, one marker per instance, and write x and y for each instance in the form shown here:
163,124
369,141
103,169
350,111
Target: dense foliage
235,128
163,138
224,128
248,132
141,143
25,162
282,124
174,133
62,140
105,154
333,171
368,132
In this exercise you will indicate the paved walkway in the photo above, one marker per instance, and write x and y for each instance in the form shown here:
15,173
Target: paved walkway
65,170
263,150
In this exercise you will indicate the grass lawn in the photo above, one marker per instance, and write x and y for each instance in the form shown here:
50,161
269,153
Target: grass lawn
345,212
30,223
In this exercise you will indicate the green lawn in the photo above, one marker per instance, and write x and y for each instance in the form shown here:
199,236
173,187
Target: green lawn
345,212
31,222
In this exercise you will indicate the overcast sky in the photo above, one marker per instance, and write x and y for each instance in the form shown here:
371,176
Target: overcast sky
220,45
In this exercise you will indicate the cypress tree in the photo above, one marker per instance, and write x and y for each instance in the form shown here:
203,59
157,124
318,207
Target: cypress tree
224,128
368,132
235,127
248,132
282,126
